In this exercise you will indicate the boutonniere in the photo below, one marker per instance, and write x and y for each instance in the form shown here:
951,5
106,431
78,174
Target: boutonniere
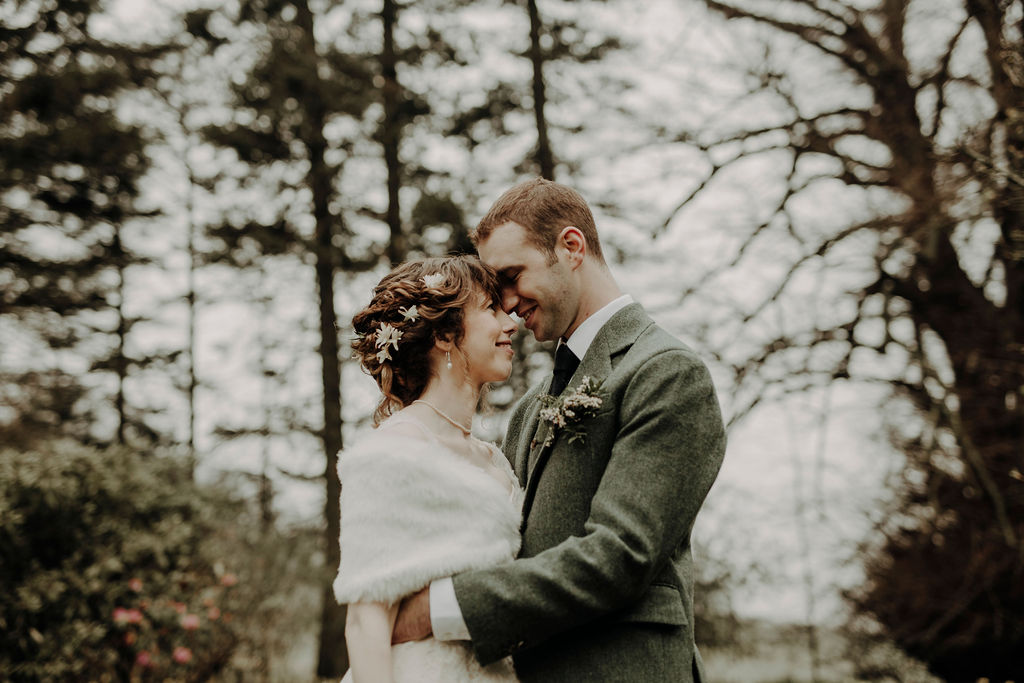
567,411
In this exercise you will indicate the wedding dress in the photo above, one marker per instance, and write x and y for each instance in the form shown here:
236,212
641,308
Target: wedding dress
413,510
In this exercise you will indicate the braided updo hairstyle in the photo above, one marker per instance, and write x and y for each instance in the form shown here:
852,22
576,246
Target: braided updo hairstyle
439,289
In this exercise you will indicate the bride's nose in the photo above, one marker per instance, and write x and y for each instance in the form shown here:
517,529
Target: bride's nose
508,325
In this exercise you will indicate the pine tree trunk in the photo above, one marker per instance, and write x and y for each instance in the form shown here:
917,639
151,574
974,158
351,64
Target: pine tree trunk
391,132
120,363
332,659
545,158
193,380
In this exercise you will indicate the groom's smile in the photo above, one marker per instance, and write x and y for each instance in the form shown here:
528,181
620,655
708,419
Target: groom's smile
525,313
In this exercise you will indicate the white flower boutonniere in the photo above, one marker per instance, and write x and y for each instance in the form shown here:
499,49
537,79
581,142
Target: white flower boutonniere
566,413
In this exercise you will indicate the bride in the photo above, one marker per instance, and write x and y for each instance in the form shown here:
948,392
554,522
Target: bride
421,498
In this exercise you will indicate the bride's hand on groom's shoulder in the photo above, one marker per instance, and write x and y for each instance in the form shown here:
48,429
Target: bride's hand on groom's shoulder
413,621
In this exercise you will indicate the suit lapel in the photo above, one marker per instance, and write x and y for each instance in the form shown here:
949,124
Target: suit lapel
618,334
523,448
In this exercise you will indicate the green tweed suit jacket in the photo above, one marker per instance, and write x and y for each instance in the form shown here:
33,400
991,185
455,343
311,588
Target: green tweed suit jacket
603,587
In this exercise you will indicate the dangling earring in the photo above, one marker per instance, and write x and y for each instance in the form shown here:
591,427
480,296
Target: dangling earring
448,357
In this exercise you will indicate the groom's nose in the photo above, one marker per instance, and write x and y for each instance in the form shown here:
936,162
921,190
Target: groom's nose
509,299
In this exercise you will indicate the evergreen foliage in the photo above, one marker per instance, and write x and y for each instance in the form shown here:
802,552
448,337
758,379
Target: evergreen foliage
70,169
281,110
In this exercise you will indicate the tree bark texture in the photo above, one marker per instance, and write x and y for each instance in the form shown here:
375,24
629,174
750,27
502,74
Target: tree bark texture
545,157
332,658
391,132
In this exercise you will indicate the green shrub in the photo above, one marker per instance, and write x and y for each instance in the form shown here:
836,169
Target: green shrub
112,568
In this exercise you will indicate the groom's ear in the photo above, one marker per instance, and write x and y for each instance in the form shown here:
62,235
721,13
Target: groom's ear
572,241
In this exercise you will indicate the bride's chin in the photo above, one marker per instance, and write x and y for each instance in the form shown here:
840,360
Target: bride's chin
500,371
502,376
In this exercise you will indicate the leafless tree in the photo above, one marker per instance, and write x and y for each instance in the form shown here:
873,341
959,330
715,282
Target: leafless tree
908,118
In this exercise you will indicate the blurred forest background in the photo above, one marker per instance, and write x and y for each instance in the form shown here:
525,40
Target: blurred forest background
825,198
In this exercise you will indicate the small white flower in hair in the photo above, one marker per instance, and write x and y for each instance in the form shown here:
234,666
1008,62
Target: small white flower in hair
383,355
387,334
433,280
409,313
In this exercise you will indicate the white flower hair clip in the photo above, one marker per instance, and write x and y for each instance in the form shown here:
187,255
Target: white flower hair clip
386,336
411,313
433,280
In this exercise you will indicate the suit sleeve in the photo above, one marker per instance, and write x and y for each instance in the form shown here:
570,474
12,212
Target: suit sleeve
667,452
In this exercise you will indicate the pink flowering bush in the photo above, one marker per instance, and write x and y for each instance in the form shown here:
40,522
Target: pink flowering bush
179,634
115,567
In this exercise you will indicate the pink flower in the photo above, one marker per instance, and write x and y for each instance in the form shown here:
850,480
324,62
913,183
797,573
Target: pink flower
144,659
135,584
134,616
228,579
179,607
182,655
213,614
190,622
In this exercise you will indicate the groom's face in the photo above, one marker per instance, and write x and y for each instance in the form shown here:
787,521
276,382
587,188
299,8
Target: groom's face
536,287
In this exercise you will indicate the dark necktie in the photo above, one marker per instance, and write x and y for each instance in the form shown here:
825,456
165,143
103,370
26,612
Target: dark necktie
566,363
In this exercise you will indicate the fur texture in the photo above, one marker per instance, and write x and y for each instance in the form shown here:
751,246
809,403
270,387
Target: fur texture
435,661
413,511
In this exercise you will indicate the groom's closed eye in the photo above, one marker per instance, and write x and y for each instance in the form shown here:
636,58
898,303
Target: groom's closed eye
508,276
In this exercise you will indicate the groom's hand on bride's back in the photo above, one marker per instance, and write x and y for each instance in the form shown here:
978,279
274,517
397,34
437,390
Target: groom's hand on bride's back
413,620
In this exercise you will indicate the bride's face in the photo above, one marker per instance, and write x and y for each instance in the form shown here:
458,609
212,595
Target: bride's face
487,341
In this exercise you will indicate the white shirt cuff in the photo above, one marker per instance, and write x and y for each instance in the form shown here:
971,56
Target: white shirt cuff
445,616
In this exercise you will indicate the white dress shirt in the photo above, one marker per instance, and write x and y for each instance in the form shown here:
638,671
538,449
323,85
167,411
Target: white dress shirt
445,615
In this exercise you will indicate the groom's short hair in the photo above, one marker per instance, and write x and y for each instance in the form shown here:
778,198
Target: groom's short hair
543,208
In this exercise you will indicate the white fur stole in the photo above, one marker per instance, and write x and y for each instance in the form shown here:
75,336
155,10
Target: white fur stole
413,511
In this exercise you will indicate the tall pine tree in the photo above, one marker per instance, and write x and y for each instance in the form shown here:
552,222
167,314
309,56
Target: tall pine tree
69,174
282,109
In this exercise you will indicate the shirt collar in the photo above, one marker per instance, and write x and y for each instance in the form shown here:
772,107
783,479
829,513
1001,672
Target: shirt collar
581,339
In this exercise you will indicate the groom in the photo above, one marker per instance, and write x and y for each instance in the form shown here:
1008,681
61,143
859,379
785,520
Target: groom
603,586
